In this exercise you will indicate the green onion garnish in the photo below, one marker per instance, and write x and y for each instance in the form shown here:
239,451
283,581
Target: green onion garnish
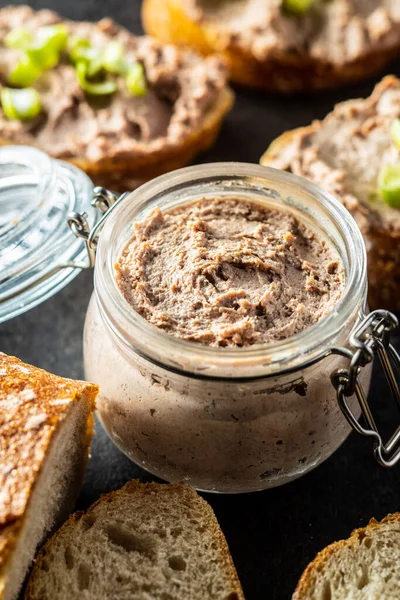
46,48
22,105
103,88
18,38
136,80
40,52
389,185
297,7
113,58
54,37
81,50
24,73
395,132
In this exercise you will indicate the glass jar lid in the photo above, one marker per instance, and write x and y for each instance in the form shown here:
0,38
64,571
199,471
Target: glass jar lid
39,255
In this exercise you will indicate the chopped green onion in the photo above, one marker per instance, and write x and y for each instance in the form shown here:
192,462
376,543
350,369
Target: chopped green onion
113,58
103,88
18,38
95,66
395,132
46,48
297,7
53,37
22,105
24,73
40,52
136,80
81,50
389,185
43,58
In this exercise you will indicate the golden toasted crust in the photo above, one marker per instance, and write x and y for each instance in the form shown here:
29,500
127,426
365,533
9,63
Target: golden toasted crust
308,578
33,403
383,245
287,73
188,496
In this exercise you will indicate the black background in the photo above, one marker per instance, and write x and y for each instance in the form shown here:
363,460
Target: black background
273,534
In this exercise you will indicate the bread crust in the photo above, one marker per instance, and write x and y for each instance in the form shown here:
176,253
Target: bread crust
285,72
122,174
307,580
33,404
187,494
383,247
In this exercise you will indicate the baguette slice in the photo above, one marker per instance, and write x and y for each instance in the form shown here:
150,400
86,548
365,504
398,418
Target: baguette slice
285,69
142,542
366,566
46,425
343,154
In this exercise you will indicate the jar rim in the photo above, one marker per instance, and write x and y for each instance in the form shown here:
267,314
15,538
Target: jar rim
134,332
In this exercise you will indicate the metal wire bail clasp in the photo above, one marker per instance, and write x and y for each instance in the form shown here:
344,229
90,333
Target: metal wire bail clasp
370,339
106,202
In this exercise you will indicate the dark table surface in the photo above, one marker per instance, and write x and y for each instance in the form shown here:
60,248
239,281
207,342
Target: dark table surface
273,534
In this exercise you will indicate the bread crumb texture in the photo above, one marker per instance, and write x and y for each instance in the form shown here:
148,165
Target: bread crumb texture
33,403
145,541
363,567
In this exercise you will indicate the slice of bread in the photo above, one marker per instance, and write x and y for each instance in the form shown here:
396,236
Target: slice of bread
46,425
343,154
366,566
361,40
143,542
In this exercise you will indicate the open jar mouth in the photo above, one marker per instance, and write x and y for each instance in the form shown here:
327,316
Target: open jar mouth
272,188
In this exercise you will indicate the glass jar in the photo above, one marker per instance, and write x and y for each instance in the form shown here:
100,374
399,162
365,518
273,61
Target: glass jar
224,419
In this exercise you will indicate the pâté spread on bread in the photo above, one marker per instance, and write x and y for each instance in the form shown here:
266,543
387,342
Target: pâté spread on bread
285,45
354,153
97,95
337,31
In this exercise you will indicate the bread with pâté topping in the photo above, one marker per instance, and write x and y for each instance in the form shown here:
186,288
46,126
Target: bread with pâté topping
344,154
122,138
271,46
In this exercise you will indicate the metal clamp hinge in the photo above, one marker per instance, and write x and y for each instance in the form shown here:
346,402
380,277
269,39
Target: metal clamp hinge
106,202
370,339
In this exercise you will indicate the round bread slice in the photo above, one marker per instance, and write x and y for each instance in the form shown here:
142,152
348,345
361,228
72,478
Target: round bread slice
120,140
46,426
343,154
366,566
144,541
332,44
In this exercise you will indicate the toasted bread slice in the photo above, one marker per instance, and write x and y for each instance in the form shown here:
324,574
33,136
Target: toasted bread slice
120,140
343,154
46,425
366,566
152,541
284,68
